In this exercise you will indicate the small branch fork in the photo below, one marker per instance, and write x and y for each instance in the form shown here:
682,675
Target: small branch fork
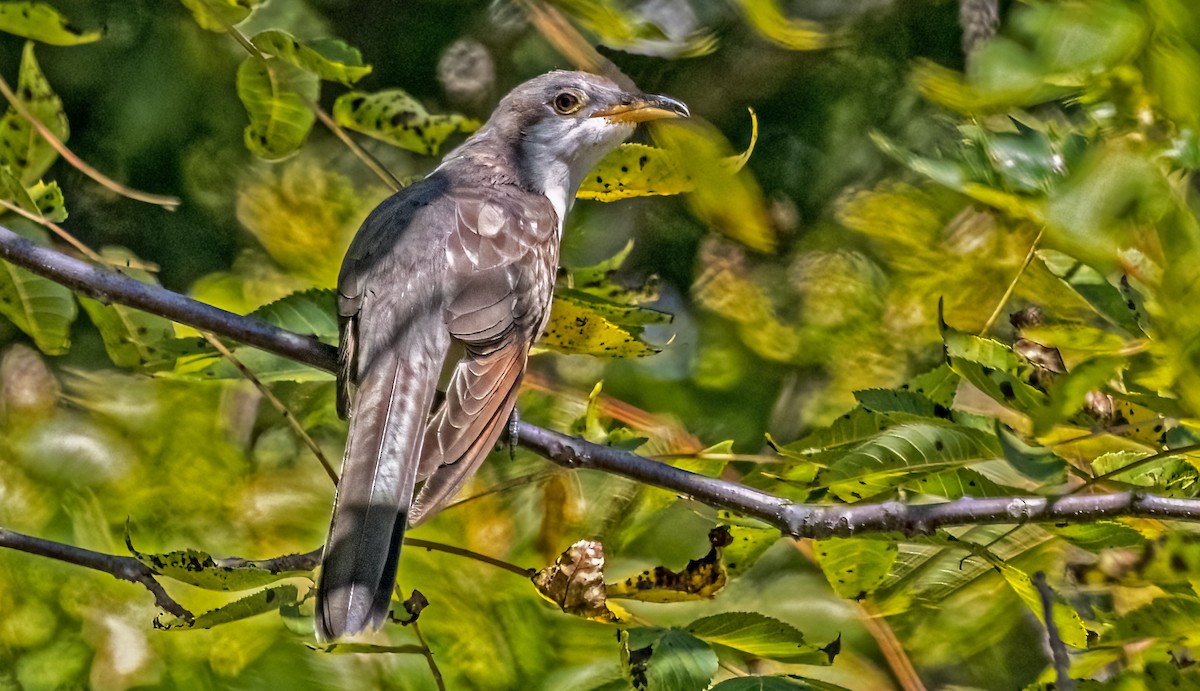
793,520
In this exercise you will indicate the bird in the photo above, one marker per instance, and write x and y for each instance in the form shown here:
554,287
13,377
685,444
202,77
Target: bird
449,281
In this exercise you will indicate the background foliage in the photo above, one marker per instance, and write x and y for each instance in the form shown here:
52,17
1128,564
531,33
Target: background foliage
846,294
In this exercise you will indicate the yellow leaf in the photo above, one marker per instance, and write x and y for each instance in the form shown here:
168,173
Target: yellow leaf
728,200
701,579
635,170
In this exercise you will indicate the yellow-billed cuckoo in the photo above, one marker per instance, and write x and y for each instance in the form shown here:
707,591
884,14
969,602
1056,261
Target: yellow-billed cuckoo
459,266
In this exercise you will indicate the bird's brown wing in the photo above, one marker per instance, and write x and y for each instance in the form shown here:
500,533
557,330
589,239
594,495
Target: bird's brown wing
501,265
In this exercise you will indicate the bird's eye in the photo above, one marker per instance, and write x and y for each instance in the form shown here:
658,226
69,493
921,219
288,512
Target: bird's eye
567,102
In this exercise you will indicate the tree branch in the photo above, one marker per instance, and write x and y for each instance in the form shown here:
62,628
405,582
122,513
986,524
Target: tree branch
795,520
124,568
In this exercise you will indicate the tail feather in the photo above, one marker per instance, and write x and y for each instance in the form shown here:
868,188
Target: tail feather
375,493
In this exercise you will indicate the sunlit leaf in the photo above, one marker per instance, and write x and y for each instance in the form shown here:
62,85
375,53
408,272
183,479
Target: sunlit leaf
219,15
329,59
667,660
309,312
278,98
132,338
395,117
48,199
901,454
1070,626
266,600
21,147
793,34
582,323
761,636
1167,617
958,483
41,22
635,170
854,567
41,308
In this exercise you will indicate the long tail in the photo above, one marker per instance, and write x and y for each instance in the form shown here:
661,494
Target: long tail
375,493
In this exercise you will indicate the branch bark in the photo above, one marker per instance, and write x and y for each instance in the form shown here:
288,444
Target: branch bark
124,568
794,520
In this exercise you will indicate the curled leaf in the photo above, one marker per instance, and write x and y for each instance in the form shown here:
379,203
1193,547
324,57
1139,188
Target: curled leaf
575,582
200,569
701,579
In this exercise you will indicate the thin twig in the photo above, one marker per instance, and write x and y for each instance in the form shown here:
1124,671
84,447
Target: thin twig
278,404
1012,286
891,648
1058,650
124,568
463,552
167,202
56,229
433,668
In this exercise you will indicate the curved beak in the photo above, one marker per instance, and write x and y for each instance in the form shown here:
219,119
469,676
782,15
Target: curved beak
643,107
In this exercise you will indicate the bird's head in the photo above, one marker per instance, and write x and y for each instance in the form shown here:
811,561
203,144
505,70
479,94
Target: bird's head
563,123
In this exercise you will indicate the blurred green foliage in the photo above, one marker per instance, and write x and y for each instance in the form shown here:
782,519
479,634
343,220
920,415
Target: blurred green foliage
840,334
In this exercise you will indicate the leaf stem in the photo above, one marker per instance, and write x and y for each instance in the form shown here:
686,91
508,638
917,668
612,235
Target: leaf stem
1012,286
167,202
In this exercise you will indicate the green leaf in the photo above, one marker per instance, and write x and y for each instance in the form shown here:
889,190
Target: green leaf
41,308
21,147
1100,535
278,98
198,568
48,199
395,117
635,170
759,635
667,660
854,427
1166,618
219,15
746,546
132,338
1034,462
266,600
41,22
901,454
938,385
1082,338
1105,298
957,483
1070,626
855,567
896,401
330,59
308,312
